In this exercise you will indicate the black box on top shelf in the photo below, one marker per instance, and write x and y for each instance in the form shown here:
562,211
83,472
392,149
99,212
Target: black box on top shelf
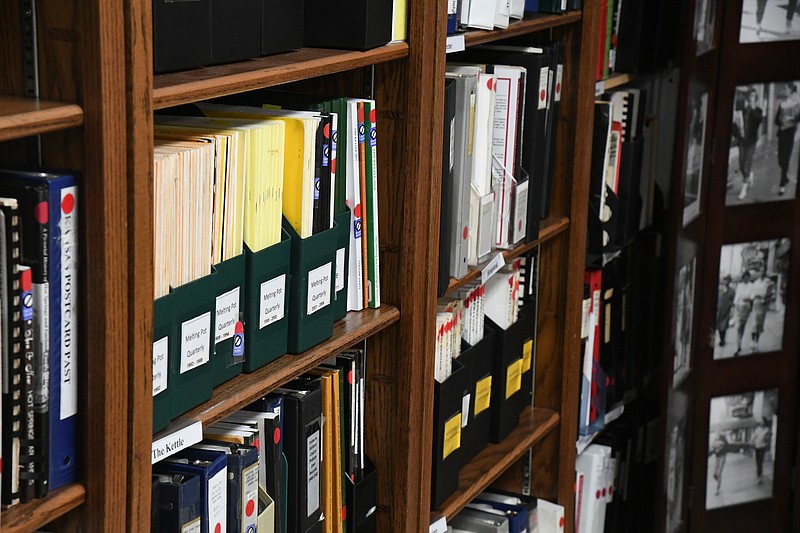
181,34
235,30
348,24
281,26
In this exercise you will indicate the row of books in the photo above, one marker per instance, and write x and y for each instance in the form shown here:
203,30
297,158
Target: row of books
636,36
614,475
506,512
501,109
620,331
482,385
208,32
292,461
39,272
490,14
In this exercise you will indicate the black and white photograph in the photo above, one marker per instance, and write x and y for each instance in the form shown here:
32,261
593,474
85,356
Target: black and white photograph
684,316
698,113
764,155
751,299
741,448
676,453
704,19
769,20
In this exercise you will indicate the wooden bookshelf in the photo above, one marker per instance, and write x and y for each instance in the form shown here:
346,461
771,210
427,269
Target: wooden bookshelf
534,424
530,24
245,388
211,82
28,517
22,117
550,228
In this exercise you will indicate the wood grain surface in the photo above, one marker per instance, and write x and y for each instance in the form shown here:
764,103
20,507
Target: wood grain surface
28,517
23,117
210,82
532,22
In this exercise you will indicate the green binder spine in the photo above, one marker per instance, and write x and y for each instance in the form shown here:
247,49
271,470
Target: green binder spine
228,357
342,221
163,350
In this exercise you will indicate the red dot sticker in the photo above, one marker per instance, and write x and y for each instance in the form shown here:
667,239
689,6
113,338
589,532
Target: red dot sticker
597,496
605,492
40,212
238,328
561,522
218,528
558,87
542,95
489,84
350,377
466,232
373,115
326,131
333,166
250,508
276,435
68,204
344,513
357,211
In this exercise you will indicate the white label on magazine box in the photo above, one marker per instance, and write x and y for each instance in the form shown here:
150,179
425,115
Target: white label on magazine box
271,301
195,342
68,225
319,288
340,269
227,315
160,365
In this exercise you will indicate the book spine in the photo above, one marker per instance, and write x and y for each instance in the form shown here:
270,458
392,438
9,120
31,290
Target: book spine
362,176
372,206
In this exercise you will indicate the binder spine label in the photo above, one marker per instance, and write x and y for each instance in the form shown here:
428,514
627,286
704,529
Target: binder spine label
227,315
559,79
249,497
41,311
452,435
527,355
483,395
271,301
319,288
192,527
69,287
544,73
176,441
339,269
218,501
312,457
195,342
160,365
513,378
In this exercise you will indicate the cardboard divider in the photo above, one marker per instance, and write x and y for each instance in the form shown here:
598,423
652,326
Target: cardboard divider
342,221
348,24
163,350
447,437
235,30
479,360
361,500
266,322
281,26
311,288
228,356
508,396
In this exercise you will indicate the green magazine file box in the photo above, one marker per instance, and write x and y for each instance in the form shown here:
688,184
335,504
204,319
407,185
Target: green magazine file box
229,338
311,289
163,349
266,323
192,307
342,263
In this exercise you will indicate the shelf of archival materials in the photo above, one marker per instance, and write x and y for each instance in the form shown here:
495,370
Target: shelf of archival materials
550,228
534,424
28,517
23,117
246,388
531,23
211,82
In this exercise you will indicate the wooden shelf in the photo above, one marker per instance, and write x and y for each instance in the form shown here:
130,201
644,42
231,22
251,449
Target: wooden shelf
612,82
530,24
244,388
550,227
534,424
31,516
23,117
210,82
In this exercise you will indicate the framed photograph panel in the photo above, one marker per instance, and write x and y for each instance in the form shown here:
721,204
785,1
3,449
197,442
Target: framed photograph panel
741,448
766,21
684,318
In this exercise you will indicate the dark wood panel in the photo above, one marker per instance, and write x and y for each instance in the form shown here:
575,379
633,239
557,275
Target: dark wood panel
246,388
475,476
22,117
203,83
29,517
532,22
11,79
550,228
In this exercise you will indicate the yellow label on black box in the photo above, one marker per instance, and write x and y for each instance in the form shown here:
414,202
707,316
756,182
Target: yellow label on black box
527,355
513,378
452,435
483,395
